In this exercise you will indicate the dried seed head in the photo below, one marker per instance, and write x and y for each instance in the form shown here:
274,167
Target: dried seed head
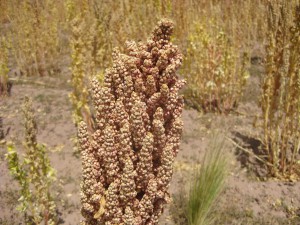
137,134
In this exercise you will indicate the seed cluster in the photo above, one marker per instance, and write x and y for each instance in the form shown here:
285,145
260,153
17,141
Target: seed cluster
127,160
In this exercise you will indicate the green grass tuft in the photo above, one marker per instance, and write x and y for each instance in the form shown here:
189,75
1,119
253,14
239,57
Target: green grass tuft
207,184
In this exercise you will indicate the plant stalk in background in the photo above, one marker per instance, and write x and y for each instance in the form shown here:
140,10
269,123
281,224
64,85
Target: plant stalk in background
4,83
280,100
34,36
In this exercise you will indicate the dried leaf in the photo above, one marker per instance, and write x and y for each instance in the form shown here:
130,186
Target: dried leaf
101,209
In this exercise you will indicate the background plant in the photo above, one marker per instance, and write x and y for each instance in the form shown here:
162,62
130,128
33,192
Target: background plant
280,100
39,30
34,174
232,31
34,36
81,69
4,83
214,70
4,11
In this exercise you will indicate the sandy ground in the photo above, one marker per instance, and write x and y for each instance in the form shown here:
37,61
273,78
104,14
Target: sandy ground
245,200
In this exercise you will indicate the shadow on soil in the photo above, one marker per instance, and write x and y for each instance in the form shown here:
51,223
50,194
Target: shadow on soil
248,153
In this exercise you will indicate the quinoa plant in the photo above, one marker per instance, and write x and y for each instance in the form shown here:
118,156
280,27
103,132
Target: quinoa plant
79,96
4,12
89,49
215,72
34,36
34,174
4,83
127,160
280,102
